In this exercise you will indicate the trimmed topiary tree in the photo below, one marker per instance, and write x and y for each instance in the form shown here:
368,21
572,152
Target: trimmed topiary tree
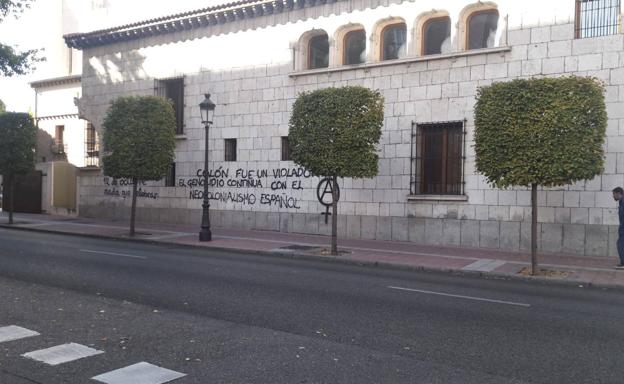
139,141
334,133
540,132
17,149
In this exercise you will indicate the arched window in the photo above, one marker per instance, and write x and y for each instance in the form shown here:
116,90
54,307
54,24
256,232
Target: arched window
318,52
354,47
436,35
393,41
482,27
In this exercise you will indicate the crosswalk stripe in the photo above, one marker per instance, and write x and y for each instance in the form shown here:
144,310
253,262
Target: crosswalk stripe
13,332
62,353
140,373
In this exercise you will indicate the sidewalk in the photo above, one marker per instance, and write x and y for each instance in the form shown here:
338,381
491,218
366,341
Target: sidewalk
564,269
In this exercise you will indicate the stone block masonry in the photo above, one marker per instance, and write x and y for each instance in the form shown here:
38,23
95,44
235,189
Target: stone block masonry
258,74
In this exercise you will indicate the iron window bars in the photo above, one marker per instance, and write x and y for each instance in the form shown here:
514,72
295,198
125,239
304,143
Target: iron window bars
92,150
173,89
597,18
437,158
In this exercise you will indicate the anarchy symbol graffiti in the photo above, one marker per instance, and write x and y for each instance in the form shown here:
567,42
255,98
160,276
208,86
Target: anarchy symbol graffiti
325,194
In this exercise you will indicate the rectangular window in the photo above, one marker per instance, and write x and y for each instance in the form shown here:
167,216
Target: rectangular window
597,18
171,176
173,89
92,153
286,155
59,131
230,149
437,158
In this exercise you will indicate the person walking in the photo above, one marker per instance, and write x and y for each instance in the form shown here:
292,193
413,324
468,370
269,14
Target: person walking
618,195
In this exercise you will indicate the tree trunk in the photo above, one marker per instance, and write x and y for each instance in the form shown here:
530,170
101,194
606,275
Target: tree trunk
12,196
133,209
334,239
534,270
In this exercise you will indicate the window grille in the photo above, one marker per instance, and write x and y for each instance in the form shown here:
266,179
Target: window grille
230,150
597,18
92,150
173,89
286,153
437,160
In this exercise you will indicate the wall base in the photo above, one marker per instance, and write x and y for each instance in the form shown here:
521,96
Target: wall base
574,239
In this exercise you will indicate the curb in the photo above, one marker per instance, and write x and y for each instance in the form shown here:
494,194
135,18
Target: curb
329,259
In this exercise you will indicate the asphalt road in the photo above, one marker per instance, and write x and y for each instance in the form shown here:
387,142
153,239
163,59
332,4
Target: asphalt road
236,318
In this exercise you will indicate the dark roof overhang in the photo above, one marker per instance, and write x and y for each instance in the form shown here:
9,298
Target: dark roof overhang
220,14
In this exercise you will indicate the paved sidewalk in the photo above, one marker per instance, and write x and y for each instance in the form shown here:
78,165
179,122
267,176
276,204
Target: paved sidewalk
564,269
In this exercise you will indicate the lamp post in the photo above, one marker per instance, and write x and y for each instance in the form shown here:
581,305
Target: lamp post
206,108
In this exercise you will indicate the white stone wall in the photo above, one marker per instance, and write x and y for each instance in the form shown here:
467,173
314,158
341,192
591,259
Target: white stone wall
250,69
53,102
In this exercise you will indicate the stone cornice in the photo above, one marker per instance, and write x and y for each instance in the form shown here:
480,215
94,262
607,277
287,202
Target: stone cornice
56,81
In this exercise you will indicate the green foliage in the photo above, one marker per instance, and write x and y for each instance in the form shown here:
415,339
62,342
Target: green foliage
547,131
2,107
139,138
13,6
14,62
333,131
17,143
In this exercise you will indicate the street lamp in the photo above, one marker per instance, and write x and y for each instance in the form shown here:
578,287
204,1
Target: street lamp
206,108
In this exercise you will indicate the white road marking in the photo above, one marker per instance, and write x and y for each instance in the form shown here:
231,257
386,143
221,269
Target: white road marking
140,373
114,254
62,353
462,296
484,265
13,332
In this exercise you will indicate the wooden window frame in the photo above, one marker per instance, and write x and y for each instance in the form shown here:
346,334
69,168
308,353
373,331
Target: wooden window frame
345,48
286,149
381,39
419,160
229,154
162,89
424,34
469,19
170,178
310,42
59,135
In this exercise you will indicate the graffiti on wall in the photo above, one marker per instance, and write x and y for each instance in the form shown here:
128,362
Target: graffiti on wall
123,188
223,183
229,186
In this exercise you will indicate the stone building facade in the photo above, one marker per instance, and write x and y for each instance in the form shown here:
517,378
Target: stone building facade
426,57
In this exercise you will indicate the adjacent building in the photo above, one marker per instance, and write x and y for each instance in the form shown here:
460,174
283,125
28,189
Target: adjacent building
426,57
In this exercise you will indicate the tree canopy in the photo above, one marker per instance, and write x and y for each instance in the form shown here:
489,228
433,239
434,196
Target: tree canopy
334,131
547,131
139,138
17,146
12,61
540,132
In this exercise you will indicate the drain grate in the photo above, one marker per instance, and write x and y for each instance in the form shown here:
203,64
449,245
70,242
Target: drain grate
296,247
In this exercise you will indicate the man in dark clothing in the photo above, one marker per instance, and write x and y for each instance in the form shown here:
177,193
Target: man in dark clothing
618,195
